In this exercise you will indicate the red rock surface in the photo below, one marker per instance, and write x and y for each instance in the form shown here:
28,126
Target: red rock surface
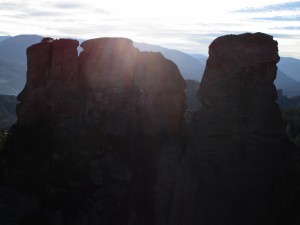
51,76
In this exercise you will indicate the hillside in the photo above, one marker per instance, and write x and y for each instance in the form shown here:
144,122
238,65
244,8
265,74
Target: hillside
286,102
12,77
13,49
289,86
13,62
200,57
291,67
2,38
7,111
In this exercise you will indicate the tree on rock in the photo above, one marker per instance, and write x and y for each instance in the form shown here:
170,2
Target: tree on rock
47,39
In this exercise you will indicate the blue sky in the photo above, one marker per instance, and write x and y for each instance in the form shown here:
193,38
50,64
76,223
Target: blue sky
188,25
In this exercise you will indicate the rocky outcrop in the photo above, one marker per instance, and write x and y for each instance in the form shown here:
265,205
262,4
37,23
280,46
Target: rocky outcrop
100,139
235,155
90,132
109,77
53,89
149,102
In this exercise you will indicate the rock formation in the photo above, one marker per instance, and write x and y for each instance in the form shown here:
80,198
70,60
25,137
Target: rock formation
235,151
101,139
89,133
109,77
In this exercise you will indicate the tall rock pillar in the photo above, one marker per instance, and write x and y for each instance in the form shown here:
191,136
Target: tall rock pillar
234,155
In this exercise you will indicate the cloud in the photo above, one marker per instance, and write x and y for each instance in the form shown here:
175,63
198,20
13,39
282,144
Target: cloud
78,6
102,11
289,6
9,6
40,13
65,5
285,36
278,18
184,27
288,28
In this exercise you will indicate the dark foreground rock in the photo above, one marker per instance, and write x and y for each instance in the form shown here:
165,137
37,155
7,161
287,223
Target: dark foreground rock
101,139
90,133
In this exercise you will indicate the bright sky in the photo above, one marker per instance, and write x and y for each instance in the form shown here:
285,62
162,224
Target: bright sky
186,25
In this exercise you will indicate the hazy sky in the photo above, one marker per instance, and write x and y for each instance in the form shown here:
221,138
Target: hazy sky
186,25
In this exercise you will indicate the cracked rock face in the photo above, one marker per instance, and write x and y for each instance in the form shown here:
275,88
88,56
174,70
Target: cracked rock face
235,152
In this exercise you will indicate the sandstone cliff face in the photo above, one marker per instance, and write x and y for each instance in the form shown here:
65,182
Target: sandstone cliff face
235,153
90,131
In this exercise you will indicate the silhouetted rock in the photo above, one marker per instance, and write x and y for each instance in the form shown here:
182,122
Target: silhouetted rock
101,139
235,153
139,92
90,133
49,90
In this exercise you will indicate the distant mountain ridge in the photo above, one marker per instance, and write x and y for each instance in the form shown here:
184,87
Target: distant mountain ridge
200,57
2,38
13,49
13,62
290,66
289,86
